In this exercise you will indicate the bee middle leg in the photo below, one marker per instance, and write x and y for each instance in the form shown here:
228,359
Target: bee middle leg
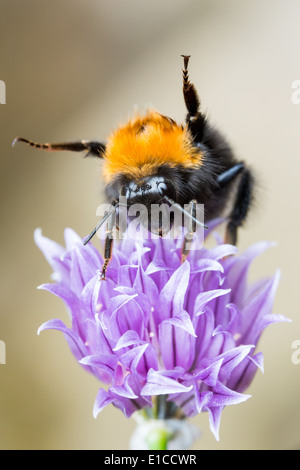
242,201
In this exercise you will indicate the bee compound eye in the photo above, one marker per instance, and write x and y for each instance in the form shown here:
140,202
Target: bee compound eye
162,187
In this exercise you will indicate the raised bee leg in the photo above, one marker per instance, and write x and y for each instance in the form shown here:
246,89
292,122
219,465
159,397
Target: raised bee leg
93,148
242,200
195,119
192,227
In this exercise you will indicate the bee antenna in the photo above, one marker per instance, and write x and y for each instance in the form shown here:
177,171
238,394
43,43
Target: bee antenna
179,207
100,223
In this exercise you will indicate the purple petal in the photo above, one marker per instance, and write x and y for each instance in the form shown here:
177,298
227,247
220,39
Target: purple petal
202,265
202,399
225,396
70,299
215,414
125,390
260,306
222,251
75,342
233,357
71,239
237,276
106,363
102,400
210,374
131,358
159,384
53,253
173,293
129,338
182,320
244,373
204,297
258,361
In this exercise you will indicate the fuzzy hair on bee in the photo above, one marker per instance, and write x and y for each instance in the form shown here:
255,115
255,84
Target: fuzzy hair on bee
152,159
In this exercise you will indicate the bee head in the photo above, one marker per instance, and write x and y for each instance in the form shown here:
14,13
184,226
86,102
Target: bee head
149,190
146,199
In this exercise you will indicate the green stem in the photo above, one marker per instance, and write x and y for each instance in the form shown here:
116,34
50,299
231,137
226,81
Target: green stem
155,407
158,439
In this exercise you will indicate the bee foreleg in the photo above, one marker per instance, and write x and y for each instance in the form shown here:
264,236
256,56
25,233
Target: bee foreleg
108,245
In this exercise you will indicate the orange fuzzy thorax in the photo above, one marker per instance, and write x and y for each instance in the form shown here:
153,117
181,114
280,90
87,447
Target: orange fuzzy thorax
138,147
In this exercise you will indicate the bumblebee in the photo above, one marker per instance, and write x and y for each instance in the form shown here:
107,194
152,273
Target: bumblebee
151,159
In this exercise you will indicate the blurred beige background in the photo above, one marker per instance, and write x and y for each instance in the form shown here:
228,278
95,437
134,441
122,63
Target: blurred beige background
74,69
